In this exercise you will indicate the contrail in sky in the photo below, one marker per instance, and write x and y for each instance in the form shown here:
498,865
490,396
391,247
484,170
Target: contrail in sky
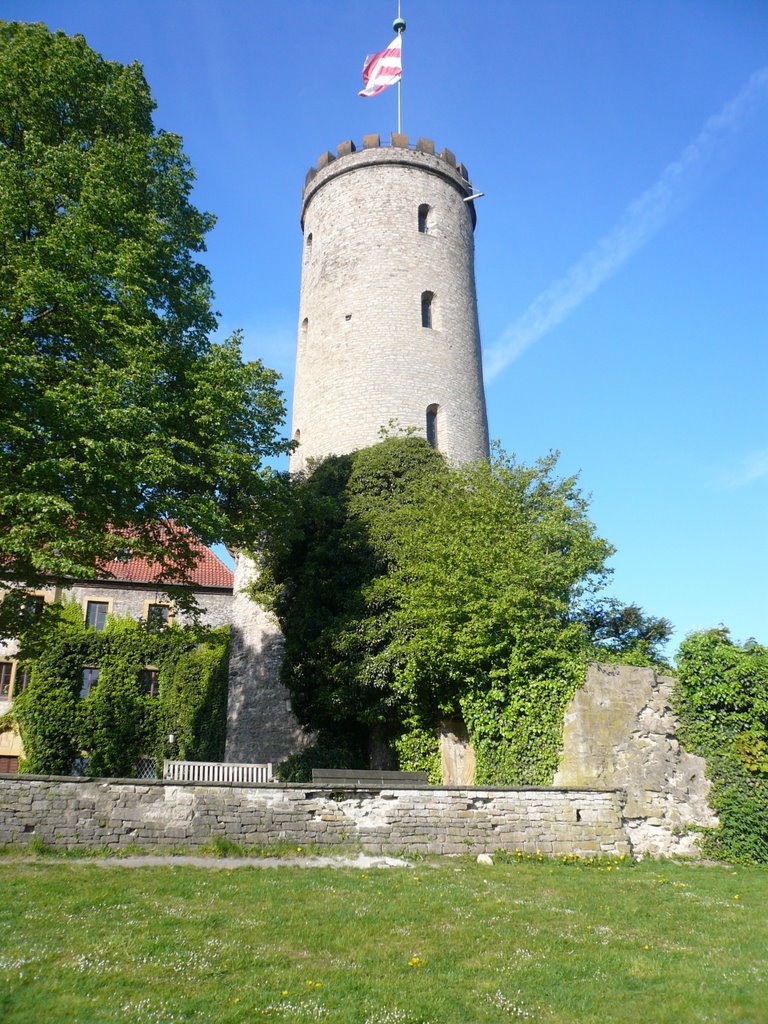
754,467
642,219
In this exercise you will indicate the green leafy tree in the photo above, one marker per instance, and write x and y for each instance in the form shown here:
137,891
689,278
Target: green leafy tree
624,632
722,700
410,592
118,414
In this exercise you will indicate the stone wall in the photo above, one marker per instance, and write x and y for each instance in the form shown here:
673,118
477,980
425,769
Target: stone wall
457,755
439,820
261,727
620,732
132,599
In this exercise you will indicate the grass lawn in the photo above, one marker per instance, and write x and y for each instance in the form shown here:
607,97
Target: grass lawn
455,943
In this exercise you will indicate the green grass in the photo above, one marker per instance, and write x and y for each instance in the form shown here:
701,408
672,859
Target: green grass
217,847
94,942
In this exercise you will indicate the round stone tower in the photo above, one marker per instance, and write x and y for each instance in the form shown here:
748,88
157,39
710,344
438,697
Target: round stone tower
388,331
388,338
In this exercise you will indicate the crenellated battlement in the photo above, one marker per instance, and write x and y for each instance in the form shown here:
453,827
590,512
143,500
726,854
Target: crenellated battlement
397,142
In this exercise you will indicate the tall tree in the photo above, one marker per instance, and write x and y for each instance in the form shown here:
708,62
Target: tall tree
118,412
626,632
410,592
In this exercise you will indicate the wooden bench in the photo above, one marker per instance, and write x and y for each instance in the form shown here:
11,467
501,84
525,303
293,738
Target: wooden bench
369,778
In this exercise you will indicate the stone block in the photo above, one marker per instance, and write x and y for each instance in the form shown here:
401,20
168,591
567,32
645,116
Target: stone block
176,832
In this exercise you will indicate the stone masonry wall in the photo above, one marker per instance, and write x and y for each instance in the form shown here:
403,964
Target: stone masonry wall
620,731
120,814
261,726
363,358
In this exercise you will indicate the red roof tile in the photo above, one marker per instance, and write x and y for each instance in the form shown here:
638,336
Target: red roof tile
209,571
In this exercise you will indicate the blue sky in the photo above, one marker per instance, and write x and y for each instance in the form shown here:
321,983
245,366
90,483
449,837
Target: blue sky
622,243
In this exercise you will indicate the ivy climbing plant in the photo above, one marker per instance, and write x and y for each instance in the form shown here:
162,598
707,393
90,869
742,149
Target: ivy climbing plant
118,720
722,700
410,592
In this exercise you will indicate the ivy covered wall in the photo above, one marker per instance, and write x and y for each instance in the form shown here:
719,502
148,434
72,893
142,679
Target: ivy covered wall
117,694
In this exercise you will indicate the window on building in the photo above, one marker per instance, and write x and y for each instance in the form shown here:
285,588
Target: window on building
308,246
22,680
149,681
424,219
9,765
96,614
90,678
158,615
6,677
432,411
427,303
304,329
32,606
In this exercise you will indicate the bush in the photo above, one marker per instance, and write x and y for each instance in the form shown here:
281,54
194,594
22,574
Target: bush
722,700
298,767
409,592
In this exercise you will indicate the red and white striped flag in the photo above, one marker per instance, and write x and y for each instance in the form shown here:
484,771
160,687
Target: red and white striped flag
383,69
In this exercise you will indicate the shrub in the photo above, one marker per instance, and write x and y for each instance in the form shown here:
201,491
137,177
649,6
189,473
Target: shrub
722,700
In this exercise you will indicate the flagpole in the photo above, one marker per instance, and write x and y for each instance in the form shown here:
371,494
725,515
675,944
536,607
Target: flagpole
399,27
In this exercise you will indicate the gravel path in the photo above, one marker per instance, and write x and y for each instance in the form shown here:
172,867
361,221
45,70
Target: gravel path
362,860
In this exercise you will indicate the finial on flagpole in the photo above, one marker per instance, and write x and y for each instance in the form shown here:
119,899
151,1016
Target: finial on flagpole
399,25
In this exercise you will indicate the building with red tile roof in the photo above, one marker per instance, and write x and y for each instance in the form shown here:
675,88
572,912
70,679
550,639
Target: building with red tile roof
131,586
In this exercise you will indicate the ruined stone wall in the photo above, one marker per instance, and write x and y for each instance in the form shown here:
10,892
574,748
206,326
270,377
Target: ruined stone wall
620,732
119,814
